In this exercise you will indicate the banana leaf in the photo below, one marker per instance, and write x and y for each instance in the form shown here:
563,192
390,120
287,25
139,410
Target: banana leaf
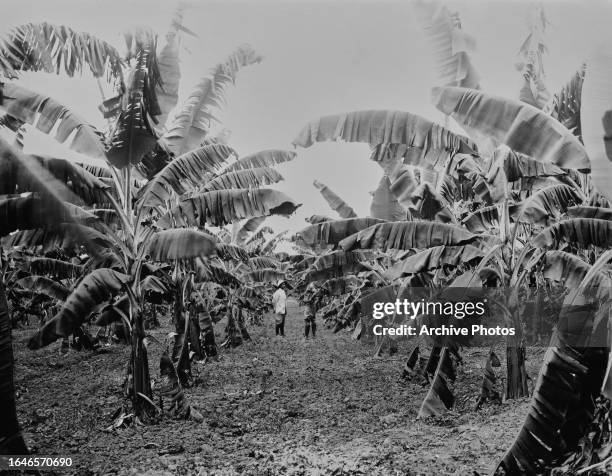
520,126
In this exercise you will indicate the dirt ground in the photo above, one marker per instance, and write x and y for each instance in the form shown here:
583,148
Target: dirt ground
329,407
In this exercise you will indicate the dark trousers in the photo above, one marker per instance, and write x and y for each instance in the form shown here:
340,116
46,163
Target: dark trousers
310,325
280,328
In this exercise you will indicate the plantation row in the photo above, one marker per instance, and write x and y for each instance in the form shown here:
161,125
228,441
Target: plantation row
167,216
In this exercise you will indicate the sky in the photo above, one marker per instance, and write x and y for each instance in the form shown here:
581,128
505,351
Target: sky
320,57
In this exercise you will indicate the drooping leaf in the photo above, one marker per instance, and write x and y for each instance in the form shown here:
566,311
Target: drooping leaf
113,312
191,125
561,407
589,212
54,267
517,165
440,398
580,232
434,258
333,232
50,117
404,235
249,178
427,203
335,202
209,271
64,236
378,127
44,285
264,158
337,264
402,184
240,233
488,390
177,244
265,275
520,126
222,207
566,268
153,284
184,173
97,287
26,213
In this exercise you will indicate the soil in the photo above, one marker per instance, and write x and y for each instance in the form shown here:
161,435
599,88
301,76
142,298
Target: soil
328,407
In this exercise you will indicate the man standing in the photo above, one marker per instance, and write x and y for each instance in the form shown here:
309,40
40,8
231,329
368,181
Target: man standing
279,303
312,301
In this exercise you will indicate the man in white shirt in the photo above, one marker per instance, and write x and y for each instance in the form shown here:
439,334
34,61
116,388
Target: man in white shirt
279,303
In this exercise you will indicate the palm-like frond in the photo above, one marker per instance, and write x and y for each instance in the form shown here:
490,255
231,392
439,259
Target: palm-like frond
263,158
56,49
451,45
191,125
184,173
169,68
565,105
229,252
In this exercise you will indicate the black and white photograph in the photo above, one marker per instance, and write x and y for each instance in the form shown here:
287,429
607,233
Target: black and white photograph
306,237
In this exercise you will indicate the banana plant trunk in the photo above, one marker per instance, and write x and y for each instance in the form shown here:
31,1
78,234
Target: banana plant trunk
141,382
11,439
180,350
207,333
516,384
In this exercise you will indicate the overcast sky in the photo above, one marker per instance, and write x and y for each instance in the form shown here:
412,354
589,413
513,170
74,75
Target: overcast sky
320,57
